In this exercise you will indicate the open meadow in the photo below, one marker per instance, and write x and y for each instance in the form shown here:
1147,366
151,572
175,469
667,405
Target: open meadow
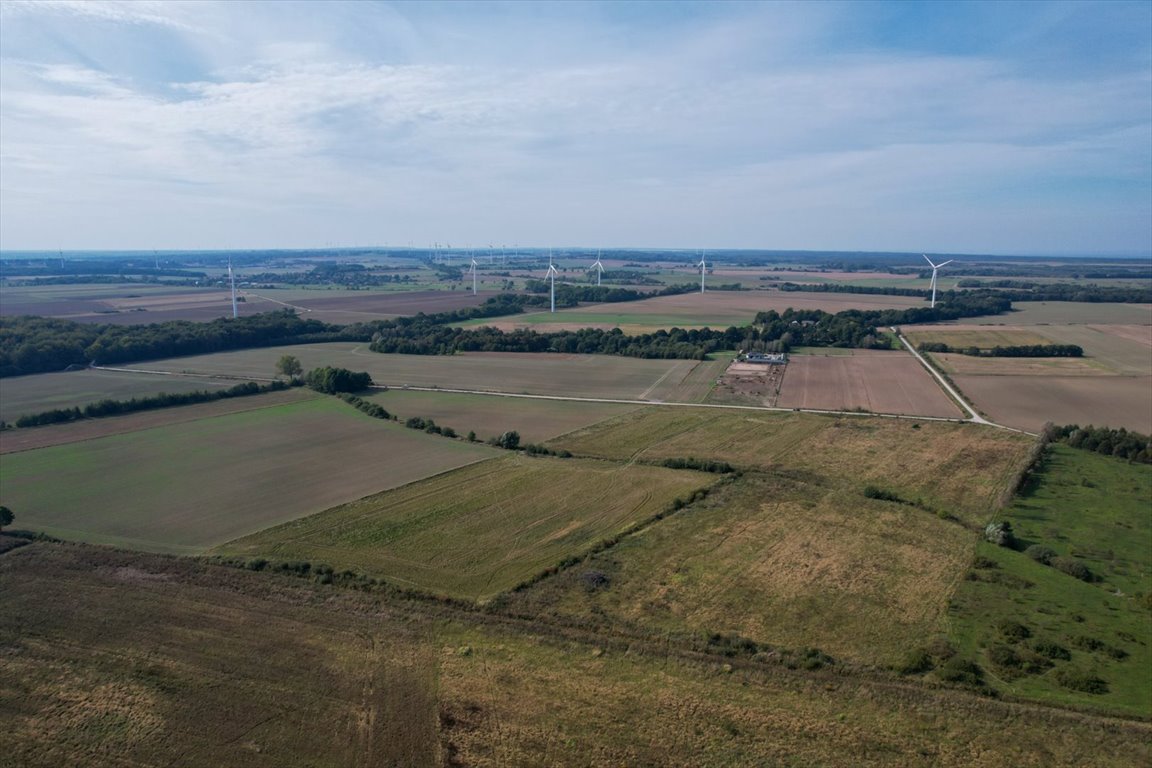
880,382
187,486
23,395
114,658
1042,632
604,376
479,530
714,309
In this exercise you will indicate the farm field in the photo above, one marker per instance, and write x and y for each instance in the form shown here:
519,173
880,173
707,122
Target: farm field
1092,509
881,382
1028,401
1124,350
1067,313
141,660
605,376
716,309
231,667
975,336
794,554
15,440
188,486
955,467
345,307
20,395
487,415
482,529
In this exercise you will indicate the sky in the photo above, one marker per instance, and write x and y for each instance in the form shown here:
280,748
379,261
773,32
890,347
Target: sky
969,127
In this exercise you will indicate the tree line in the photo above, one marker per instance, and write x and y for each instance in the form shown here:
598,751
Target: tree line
1023,350
1121,443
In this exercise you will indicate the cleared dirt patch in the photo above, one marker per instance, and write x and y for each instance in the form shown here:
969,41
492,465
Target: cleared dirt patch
185,487
884,382
1027,402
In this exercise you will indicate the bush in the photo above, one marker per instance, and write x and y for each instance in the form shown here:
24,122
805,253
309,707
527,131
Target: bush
1072,567
1040,553
963,672
1013,631
872,492
1051,650
1079,680
1000,534
594,580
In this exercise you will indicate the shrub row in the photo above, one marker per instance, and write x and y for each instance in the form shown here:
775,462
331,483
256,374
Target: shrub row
701,465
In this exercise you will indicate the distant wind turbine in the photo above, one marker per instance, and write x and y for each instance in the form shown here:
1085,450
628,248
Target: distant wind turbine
935,269
598,266
703,267
232,279
473,275
552,274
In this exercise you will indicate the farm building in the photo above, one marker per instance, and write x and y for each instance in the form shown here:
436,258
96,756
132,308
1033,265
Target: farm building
765,358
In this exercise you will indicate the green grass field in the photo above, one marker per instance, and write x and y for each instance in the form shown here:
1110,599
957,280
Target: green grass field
1069,313
188,486
1094,510
21,395
479,530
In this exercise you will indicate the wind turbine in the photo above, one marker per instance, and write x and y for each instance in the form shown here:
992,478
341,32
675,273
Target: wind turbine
473,275
598,266
703,267
232,279
552,274
935,269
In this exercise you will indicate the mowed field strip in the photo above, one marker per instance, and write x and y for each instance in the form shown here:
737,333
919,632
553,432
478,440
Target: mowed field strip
794,553
606,376
13,440
881,382
185,487
481,529
22,395
715,309
535,420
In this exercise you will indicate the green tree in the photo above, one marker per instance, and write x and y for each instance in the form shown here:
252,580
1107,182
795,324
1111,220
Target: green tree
6,517
289,365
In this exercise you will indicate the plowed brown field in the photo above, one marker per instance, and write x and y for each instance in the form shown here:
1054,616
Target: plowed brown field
882,382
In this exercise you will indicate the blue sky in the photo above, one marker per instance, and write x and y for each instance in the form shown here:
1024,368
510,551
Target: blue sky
940,127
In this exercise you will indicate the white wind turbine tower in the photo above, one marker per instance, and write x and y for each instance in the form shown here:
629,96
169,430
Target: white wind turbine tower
473,275
935,269
598,266
703,267
232,280
552,274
